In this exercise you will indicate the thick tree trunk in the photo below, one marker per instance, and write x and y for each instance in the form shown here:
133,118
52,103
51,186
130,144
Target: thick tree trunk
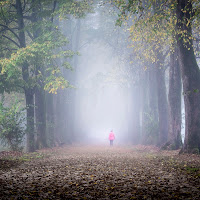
25,73
153,103
40,112
161,86
190,77
30,120
174,97
162,100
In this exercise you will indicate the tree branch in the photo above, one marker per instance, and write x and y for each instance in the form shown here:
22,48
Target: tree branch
166,53
24,6
28,18
7,28
4,49
11,40
29,34
83,45
54,7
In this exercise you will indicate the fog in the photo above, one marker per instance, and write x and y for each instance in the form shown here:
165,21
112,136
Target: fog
93,67
102,99
115,86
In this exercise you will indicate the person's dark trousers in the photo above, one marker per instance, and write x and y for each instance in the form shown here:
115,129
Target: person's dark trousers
111,142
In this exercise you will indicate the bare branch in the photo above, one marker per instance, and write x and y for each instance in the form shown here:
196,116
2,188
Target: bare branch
83,45
166,53
28,18
54,7
9,29
11,40
6,48
29,34
24,6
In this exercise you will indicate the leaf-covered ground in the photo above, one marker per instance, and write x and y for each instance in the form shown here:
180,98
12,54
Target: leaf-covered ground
100,172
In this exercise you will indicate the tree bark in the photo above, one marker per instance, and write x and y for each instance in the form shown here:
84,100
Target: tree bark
25,73
152,93
58,119
30,120
161,86
174,97
40,115
50,117
162,100
190,76
40,112
153,104
144,107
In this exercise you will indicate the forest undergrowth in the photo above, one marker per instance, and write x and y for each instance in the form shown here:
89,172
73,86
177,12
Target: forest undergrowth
99,172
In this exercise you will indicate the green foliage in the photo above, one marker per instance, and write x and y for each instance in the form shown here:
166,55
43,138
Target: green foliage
41,52
154,25
56,81
11,125
77,9
192,169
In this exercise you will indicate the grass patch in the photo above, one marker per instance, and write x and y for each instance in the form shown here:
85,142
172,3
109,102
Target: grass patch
192,169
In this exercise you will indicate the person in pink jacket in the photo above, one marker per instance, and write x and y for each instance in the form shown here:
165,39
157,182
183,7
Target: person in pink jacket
111,137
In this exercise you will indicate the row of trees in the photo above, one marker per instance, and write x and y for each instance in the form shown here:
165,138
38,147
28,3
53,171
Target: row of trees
165,36
35,54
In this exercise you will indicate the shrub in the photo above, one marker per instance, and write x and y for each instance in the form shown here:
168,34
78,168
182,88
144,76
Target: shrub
12,129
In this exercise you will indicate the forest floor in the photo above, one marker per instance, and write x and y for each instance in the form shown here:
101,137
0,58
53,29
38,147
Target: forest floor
99,172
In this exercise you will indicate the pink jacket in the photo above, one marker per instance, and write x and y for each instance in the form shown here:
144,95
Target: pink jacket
111,136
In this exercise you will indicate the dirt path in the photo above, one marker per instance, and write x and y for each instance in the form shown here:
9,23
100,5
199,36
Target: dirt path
100,172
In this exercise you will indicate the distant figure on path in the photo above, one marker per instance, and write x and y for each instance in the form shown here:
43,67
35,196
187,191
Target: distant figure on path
111,137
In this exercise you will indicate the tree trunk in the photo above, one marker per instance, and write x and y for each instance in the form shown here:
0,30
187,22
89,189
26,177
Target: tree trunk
174,97
136,134
40,115
190,77
72,109
58,119
30,120
40,112
162,100
161,86
25,73
152,93
50,116
153,105
144,107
